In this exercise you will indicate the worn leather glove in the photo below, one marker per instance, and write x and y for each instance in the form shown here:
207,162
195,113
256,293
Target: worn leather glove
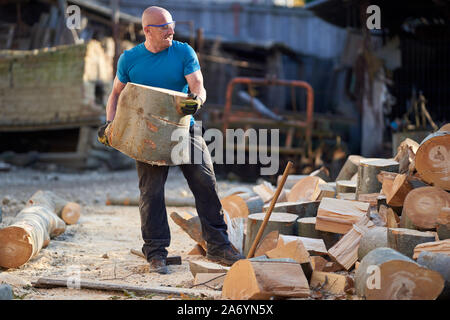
101,134
192,104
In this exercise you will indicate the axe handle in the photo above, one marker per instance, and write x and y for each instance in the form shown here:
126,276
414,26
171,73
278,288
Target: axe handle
269,212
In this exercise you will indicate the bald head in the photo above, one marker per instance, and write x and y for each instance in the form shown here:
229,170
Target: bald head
155,15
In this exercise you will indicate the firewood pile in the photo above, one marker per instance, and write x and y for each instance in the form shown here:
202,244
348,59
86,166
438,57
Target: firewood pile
379,232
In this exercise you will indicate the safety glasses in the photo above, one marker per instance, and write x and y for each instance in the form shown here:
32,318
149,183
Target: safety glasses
165,26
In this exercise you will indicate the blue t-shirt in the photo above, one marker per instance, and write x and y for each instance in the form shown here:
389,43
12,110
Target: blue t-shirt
166,69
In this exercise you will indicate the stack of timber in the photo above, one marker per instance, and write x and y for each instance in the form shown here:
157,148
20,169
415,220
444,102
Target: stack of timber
44,217
380,231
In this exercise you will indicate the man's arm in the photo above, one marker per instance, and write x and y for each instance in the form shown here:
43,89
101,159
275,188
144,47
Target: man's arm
111,106
195,82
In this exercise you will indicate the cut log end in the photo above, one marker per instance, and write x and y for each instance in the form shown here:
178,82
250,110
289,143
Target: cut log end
15,247
71,213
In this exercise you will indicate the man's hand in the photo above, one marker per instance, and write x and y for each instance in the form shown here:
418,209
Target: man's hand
192,104
101,134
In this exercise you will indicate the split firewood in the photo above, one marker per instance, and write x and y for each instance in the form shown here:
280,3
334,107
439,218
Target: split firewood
307,189
306,227
367,174
331,282
371,198
238,206
442,246
350,168
406,154
313,246
191,225
235,230
345,186
300,208
283,222
327,190
375,237
318,263
443,224
345,251
346,196
293,249
396,194
405,240
389,217
29,232
385,274
422,207
269,242
433,159
265,190
323,173
68,211
212,281
261,280
199,266
338,216
440,263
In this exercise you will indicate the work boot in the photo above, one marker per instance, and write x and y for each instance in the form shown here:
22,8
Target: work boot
158,265
226,255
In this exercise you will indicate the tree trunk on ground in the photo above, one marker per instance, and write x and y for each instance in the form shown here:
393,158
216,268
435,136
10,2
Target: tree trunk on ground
433,159
29,232
422,207
283,222
350,168
438,262
375,237
306,227
367,174
307,189
385,274
405,240
338,216
261,280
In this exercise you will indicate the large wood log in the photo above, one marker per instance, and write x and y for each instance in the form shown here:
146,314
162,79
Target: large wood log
375,237
69,211
30,231
306,227
307,189
283,222
442,246
300,208
438,262
261,280
433,159
385,274
240,206
443,224
350,168
338,216
405,240
367,174
422,207
145,120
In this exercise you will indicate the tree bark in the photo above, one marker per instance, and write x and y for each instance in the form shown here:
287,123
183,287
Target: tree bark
385,274
350,167
375,237
302,209
367,174
438,262
405,240
443,224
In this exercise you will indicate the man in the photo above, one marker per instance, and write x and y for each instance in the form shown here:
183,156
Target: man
162,62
